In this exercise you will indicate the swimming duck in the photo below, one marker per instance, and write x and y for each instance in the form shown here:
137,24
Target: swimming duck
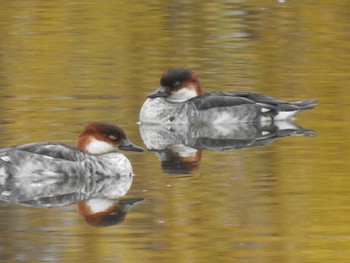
96,154
180,100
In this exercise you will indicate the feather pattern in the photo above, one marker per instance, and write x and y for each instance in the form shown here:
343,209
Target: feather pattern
96,155
180,99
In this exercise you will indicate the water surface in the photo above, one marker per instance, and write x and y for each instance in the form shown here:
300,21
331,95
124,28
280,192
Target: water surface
64,64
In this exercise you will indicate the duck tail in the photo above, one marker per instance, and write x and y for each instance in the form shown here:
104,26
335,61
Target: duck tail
286,111
305,104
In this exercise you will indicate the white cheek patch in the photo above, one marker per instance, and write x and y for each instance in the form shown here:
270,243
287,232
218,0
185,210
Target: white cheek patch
185,151
99,147
183,95
100,205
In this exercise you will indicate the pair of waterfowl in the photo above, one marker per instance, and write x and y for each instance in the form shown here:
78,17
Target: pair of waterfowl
178,100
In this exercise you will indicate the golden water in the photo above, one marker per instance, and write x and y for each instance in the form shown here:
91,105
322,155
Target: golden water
64,63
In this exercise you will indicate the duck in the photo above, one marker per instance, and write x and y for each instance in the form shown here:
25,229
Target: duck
97,153
180,100
180,148
106,212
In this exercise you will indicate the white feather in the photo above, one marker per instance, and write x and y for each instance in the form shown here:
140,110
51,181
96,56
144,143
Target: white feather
5,158
99,205
265,119
285,125
265,110
185,151
183,95
99,147
285,115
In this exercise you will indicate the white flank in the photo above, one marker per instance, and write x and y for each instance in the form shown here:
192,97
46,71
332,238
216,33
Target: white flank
99,147
284,125
5,158
265,110
285,115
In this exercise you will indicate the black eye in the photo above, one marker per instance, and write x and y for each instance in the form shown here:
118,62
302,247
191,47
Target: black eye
175,84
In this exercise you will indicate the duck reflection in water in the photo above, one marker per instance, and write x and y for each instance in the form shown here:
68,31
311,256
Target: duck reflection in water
94,174
97,198
178,120
179,147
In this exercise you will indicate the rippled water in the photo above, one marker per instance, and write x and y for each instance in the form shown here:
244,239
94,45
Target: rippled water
66,63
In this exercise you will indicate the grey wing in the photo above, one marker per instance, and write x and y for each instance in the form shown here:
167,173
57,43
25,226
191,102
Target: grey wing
21,163
273,103
257,97
219,99
41,191
229,99
54,150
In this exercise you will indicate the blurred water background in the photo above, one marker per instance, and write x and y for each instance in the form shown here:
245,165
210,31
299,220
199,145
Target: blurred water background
64,63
